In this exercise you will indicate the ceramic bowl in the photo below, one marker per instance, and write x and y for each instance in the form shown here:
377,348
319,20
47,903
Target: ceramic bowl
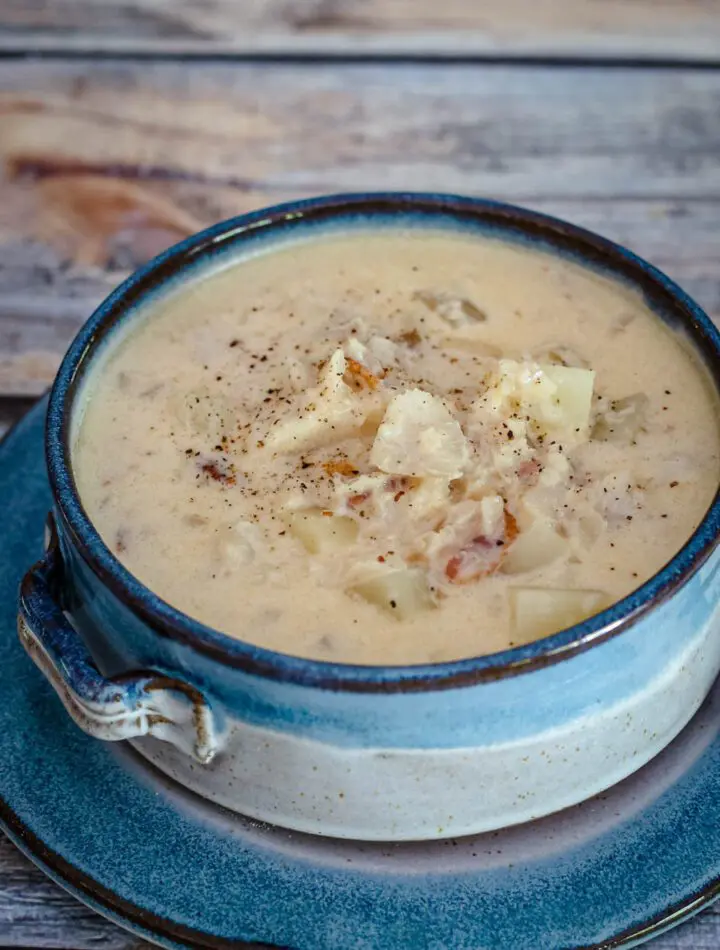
383,753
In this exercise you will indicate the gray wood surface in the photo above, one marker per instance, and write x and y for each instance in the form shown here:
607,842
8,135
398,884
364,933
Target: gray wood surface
641,29
106,161
35,913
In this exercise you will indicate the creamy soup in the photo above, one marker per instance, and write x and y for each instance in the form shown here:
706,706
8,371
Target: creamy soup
396,446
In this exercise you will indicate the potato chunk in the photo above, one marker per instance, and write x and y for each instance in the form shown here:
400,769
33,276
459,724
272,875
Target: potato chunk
572,397
326,413
321,532
537,611
623,419
536,547
401,591
557,399
419,436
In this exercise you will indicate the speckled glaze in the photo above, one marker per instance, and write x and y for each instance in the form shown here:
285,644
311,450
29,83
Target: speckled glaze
177,870
398,753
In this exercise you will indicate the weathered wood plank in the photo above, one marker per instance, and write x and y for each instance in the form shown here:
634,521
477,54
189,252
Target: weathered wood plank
702,933
679,29
519,131
116,161
105,164
36,913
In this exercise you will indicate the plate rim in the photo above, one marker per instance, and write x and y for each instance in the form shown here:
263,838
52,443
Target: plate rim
126,914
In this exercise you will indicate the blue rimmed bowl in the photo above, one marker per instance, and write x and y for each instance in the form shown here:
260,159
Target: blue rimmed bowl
376,753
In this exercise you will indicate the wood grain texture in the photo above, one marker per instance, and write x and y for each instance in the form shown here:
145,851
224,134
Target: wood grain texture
517,131
676,29
106,164
35,912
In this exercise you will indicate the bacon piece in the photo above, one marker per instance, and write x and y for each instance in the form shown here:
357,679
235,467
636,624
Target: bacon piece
360,375
529,470
354,501
213,470
483,556
339,467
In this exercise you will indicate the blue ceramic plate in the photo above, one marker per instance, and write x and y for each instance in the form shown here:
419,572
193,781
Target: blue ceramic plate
173,869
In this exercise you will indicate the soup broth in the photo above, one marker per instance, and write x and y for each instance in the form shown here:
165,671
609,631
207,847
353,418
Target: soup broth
397,446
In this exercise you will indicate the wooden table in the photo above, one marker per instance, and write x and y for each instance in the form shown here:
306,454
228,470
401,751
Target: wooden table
126,125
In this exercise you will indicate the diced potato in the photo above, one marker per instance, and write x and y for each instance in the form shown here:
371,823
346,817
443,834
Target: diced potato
555,470
573,395
492,512
534,548
355,350
241,546
377,355
420,437
623,420
298,374
430,496
384,349
321,532
401,591
538,611
588,527
326,413
618,496
558,399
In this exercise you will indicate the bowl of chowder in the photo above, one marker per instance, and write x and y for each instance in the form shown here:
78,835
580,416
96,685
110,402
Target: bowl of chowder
387,516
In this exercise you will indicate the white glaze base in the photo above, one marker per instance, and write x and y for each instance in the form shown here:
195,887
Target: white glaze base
411,794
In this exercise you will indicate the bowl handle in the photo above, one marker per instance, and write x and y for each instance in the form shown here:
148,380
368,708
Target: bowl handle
125,707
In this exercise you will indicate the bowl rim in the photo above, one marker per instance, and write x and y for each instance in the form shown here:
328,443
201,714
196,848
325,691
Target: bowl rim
168,621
